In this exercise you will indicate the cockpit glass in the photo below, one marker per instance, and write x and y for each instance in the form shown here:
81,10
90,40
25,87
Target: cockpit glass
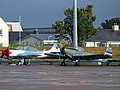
79,49
74,51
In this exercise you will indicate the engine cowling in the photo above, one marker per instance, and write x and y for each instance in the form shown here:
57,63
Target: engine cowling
6,52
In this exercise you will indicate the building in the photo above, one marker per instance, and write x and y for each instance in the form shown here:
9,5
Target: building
46,30
36,36
14,26
45,36
4,34
42,40
39,40
5,28
105,38
32,40
27,31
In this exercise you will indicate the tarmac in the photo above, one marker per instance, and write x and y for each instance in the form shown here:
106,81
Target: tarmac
55,77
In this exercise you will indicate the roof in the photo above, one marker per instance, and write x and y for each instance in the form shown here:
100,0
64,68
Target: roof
105,35
47,30
42,36
15,26
27,31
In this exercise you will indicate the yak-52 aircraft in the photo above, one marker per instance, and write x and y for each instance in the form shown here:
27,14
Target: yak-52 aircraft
77,53
18,53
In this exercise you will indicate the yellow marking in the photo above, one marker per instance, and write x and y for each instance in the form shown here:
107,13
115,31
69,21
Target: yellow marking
110,81
82,81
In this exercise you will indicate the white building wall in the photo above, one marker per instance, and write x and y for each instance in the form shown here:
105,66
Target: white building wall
96,44
113,43
4,36
92,44
115,27
89,44
109,43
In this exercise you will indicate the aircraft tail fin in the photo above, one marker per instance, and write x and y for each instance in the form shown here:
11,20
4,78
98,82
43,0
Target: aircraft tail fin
55,48
108,52
62,49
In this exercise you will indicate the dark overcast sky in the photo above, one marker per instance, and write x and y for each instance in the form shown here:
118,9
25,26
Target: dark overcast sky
43,13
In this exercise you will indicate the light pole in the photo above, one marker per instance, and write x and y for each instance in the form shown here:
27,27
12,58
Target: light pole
75,38
20,31
49,37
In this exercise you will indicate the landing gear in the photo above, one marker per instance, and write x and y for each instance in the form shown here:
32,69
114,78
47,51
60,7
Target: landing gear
29,62
22,61
108,63
76,64
63,63
10,60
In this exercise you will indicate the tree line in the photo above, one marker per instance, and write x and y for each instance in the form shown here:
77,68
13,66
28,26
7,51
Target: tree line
85,20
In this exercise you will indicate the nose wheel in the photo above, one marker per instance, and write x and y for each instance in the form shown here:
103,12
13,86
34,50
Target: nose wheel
63,63
76,64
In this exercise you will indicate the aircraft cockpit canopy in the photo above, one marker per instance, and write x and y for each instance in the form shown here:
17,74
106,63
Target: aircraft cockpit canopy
74,50
26,48
79,49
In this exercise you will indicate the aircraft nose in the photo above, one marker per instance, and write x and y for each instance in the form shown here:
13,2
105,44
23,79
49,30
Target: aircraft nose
7,52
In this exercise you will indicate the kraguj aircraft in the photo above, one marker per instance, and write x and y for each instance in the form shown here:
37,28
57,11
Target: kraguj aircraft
28,53
76,54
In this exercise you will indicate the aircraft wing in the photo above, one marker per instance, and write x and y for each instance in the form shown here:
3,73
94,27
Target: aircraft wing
54,54
81,57
94,56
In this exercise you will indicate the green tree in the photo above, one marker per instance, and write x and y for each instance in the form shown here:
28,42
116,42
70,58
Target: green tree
85,21
107,24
